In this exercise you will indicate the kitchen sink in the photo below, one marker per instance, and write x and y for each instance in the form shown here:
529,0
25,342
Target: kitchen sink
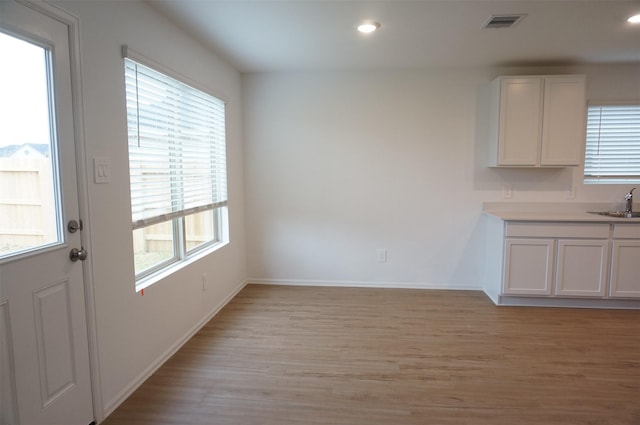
617,214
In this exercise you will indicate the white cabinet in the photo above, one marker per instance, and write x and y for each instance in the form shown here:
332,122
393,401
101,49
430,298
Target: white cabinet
556,259
625,269
537,121
528,266
582,267
562,263
564,121
625,262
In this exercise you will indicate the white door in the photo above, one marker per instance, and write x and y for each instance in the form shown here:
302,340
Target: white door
44,357
520,121
582,268
625,268
564,128
528,266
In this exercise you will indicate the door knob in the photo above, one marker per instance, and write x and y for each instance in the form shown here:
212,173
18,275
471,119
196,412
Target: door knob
78,254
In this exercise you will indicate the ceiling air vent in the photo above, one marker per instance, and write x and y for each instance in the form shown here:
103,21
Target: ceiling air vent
503,21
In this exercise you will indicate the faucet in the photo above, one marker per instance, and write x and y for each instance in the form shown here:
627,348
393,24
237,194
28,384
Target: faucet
629,198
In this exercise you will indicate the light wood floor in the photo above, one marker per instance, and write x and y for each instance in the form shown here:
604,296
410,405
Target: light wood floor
303,355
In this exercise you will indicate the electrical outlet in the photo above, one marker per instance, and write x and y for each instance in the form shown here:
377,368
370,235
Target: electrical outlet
382,255
204,282
507,191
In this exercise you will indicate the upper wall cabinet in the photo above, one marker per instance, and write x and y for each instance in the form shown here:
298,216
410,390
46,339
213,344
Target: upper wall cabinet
537,121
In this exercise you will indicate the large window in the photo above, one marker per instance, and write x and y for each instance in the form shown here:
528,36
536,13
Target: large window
177,164
613,144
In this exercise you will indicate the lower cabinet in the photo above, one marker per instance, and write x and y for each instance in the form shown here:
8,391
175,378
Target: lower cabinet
528,266
564,263
565,267
625,269
557,259
581,269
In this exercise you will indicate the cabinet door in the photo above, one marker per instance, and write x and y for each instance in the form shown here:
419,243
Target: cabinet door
563,123
625,269
582,268
528,266
520,121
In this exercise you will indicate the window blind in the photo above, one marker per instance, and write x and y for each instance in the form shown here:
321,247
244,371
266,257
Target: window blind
177,147
613,143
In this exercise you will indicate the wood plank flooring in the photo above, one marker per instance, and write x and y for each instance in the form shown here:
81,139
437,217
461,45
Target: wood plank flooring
353,356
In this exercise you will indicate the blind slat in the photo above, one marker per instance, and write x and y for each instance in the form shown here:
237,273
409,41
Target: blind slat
177,147
613,142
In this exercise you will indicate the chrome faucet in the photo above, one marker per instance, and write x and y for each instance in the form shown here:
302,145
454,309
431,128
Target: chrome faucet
629,198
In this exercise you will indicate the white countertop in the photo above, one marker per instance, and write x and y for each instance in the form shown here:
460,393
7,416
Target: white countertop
554,212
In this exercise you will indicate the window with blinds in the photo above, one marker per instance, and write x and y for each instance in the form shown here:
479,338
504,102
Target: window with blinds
612,152
177,165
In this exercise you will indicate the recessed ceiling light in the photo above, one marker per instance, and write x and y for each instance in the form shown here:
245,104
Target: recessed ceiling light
368,27
635,19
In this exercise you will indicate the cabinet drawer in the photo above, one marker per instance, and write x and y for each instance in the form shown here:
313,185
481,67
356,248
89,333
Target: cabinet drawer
626,231
557,230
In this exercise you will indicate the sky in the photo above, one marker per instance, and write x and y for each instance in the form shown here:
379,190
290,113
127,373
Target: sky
23,93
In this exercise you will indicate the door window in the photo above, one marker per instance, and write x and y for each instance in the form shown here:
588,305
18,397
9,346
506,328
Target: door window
29,200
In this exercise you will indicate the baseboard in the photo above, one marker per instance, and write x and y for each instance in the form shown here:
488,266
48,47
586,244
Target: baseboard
160,360
609,303
365,284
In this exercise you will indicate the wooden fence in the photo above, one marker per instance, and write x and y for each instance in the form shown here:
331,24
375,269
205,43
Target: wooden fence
27,205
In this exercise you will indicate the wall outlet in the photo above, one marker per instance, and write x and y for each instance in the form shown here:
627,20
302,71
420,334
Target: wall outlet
507,191
204,282
381,255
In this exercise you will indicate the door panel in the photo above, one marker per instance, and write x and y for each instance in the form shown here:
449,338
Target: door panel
8,402
528,266
582,268
54,340
625,269
45,356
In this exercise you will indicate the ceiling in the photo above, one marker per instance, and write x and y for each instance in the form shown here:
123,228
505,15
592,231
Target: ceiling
291,35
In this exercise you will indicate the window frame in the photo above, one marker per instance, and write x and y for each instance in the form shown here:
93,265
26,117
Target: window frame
615,179
182,255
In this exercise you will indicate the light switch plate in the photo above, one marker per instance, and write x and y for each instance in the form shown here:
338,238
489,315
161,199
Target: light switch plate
507,191
101,170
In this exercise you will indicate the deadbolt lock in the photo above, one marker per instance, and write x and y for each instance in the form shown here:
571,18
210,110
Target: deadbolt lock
74,225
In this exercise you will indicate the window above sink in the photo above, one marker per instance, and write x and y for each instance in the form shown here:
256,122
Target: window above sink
612,154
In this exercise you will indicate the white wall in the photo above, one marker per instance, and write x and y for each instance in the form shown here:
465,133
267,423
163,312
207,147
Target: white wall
338,165
341,164
134,331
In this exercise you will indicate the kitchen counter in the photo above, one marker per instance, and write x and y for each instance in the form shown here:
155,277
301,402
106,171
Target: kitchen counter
576,212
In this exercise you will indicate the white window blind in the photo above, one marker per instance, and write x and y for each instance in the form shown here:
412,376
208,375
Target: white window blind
177,152
613,143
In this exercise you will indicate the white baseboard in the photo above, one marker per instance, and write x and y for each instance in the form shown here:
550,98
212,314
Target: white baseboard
160,360
365,284
609,303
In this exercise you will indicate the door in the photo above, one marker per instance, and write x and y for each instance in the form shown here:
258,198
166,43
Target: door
625,268
582,267
44,356
528,266
520,122
564,128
